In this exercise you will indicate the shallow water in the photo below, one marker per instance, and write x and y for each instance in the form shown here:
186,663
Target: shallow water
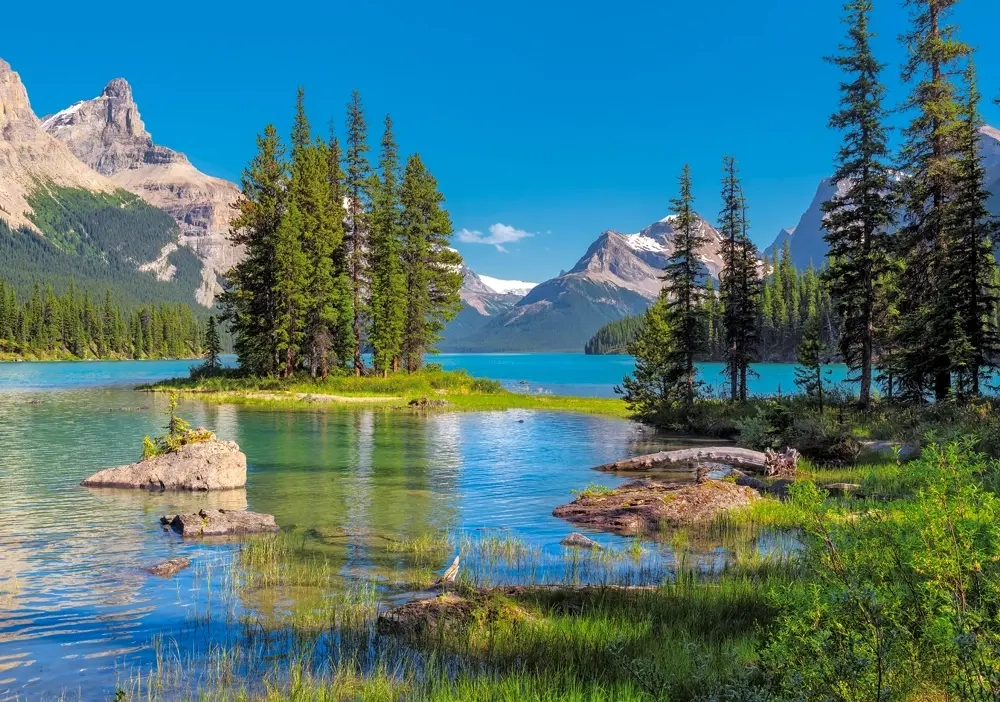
78,613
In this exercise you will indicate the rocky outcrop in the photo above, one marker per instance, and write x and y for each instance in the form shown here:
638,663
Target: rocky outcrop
642,506
206,465
108,134
30,157
169,567
220,522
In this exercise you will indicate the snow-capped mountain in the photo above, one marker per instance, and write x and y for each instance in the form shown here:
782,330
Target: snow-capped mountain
507,287
617,276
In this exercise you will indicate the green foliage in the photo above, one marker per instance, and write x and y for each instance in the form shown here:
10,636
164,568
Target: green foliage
859,221
615,337
178,434
899,601
809,375
70,325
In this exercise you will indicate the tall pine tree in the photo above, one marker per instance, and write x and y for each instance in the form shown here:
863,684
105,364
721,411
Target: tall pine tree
739,284
858,221
248,300
431,267
927,327
388,283
357,171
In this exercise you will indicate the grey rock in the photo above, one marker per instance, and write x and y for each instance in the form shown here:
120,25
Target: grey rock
578,540
843,489
202,466
220,522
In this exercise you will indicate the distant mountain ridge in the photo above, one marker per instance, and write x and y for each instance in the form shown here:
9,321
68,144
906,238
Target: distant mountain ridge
619,275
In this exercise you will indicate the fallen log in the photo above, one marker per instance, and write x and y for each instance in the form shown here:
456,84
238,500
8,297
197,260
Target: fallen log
770,463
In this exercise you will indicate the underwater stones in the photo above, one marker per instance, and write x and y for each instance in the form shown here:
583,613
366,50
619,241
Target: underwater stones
578,540
169,567
201,466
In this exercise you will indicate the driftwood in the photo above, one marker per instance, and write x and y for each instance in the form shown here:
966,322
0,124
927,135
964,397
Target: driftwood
770,463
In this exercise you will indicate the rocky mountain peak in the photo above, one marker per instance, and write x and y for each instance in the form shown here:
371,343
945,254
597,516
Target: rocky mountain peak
14,105
107,133
118,88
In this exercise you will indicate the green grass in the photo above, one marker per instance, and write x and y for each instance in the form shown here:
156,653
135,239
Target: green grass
461,391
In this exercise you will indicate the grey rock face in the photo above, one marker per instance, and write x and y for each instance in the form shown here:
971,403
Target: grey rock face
108,134
220,522
207,465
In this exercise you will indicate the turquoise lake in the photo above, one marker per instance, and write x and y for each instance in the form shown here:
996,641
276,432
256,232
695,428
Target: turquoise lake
77,612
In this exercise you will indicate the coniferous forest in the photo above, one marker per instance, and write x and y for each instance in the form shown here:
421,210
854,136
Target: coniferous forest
72,325
342,257
908,298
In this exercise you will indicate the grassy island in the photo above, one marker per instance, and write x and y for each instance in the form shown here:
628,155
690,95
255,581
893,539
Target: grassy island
430,388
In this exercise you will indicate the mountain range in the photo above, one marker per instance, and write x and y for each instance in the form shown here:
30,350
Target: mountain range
86,193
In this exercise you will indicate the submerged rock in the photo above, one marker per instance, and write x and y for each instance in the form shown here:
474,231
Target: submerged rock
205,465
448,612
220,522
640,506
168,568
578,540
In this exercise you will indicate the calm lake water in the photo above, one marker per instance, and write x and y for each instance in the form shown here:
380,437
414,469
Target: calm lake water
77,613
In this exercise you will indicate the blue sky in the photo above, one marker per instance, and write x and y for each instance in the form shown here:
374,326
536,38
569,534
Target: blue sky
554,119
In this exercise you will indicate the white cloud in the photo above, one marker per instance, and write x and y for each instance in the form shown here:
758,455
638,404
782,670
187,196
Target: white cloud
499,235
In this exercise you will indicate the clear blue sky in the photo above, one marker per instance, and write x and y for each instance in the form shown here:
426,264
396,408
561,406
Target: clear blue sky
560,119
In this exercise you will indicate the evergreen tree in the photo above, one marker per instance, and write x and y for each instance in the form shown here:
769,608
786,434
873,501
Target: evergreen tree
248,301
342,344
388,282
651,387
321,235
858,222
809,374
970,267
357,172
739,284
928,157
683,277
213,347
431,267
289,287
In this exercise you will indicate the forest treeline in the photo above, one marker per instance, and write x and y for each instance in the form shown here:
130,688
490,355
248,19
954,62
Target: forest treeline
341,256
909,292
47,325
789,298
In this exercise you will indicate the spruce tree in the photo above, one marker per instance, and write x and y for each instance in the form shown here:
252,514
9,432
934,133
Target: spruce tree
650,390
321,235
683,278
431,267
342,344
213,347
388,283
289,288
809,375
859,221
248,300
357,171
740,284
970,267
928,158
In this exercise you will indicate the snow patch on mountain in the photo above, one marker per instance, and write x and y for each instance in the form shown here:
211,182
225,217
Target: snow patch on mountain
641,242
507,287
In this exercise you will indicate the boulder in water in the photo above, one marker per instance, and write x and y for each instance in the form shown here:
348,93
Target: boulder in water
201,466
578,540
168,568
220,522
